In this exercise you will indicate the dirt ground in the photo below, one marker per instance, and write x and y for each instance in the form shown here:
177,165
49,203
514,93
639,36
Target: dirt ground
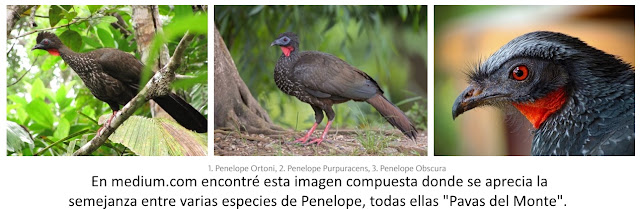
340,143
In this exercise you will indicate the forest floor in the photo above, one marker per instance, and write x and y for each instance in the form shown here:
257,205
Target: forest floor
338,143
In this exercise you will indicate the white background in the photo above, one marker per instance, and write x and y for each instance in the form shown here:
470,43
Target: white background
49,182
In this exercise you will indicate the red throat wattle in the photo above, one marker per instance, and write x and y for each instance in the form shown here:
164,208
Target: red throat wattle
286,50
538,111
53,52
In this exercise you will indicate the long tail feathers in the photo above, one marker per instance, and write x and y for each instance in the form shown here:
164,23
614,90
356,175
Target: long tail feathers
182,112
394,115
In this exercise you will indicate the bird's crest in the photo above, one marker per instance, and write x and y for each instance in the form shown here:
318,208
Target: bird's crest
47,35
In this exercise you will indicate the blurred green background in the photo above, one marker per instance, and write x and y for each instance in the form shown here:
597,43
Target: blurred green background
387,42
47,102
466,35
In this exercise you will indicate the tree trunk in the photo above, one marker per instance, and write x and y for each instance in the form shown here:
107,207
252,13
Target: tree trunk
13,15
146,23
235,108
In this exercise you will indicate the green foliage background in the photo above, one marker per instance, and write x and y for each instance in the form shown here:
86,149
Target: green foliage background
375,39
47,101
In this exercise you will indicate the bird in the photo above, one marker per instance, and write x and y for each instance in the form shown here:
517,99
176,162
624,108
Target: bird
113,76
321,80
579,99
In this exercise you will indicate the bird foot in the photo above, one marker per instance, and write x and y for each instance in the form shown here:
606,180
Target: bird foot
316,140
108,123
302,140
100,130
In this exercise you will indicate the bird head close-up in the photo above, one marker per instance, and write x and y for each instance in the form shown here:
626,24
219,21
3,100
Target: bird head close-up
572,94
48,41
288,42
524,73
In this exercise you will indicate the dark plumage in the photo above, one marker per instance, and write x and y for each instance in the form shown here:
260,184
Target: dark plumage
321,80
580,100
113,76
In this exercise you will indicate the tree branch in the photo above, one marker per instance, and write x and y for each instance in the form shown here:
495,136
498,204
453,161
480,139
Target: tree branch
159,84
50,28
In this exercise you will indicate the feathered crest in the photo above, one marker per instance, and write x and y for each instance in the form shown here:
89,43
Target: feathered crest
46,34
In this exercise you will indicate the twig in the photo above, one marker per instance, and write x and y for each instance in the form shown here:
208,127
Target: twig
87,116
61,140
25,73
161,80
50,28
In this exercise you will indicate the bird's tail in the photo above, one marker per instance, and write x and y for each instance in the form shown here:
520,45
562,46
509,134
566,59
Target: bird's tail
182,112
394,115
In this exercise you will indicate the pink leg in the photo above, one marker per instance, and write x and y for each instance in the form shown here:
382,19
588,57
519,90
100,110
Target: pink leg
324,134
306,137
108,121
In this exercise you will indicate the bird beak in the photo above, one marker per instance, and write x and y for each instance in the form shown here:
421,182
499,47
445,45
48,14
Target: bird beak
38,46
273,43
473,97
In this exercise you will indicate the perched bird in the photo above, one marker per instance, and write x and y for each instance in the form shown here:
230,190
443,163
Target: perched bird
321,80
113,76
579,99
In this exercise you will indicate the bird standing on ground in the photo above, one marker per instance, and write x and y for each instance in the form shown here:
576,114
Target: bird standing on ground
321,80
580,100
113,76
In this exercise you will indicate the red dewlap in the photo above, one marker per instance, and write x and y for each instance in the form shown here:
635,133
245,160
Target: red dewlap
53,52
538,111
286,50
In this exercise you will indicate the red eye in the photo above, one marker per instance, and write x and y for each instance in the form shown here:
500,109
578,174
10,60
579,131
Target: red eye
45,42
520,72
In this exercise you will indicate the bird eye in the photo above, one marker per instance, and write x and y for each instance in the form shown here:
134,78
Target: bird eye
285,39
520,72
45,42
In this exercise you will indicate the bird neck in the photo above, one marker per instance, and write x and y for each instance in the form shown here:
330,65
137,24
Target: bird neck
538,111
63,52
75,60
289,57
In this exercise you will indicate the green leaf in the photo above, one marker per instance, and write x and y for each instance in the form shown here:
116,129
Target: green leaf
164,10
55,15
17,100
109,19
71,147
403,10
66,7
93,8
70,15
106,37
159,137
72,39
91,41
183,11
196,24
18,138
256,9
62,130
90,112
40,113
61,97
49,62
38,91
